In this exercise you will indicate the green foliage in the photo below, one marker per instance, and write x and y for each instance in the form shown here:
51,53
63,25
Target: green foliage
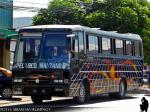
95,19
118,15
147,49
62,12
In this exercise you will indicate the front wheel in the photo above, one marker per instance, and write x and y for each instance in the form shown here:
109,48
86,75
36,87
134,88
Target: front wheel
84,93
37,99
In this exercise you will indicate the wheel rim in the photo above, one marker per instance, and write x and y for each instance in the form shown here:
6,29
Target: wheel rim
82,93
122,89
7,93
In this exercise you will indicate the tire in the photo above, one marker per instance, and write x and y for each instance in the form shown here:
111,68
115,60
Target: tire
84,94
122,91
37,99
6,93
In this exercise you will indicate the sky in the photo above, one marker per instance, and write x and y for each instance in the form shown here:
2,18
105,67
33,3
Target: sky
28,3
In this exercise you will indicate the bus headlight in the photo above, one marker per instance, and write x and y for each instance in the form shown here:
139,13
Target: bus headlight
18,80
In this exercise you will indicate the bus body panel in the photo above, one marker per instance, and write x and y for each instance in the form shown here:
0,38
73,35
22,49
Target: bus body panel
105,74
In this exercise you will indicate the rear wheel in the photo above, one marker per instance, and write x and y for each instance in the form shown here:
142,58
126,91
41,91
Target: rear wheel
84,93
122,90
121,93
6,92
37,99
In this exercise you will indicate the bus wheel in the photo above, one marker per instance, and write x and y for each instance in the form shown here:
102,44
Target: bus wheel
84,93
122,90
121,93
37,99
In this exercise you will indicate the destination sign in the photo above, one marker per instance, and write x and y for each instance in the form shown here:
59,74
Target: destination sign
41,65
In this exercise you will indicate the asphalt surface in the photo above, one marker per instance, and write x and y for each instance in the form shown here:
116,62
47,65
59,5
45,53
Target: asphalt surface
97,104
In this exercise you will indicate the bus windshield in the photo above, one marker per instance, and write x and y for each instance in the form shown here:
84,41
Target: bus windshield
28,49
54,47
49,51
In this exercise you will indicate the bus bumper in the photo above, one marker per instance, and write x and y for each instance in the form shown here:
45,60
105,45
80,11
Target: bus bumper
30,90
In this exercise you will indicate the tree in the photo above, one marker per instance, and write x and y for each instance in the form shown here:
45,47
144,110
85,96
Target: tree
124,16
95,19
61,12
147,50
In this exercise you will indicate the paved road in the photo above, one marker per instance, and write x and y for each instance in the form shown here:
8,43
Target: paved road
98,104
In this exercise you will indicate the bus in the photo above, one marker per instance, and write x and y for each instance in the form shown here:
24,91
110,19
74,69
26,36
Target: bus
76,61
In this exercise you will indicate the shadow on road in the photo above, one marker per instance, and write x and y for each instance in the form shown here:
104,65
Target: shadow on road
68,104
146,92
10,99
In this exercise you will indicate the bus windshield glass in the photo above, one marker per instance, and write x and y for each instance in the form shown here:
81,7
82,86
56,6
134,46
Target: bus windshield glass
54,47
28,49
50,51
55,51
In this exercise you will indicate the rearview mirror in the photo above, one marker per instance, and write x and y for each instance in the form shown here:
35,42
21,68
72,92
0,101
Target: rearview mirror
7,44
8,40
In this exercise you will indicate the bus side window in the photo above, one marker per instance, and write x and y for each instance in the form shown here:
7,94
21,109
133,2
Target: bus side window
106,46
81,42
128,48
137,49
93,44
119,47
75,48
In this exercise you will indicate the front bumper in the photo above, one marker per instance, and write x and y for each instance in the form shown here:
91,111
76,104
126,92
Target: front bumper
41,90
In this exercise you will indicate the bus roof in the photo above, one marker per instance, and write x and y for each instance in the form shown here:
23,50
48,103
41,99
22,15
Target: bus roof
129,36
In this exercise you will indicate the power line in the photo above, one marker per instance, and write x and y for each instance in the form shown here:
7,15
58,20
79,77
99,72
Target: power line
31,3
20,8
30,9
9,6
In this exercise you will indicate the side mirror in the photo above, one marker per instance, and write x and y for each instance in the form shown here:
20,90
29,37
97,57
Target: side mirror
7,44
8,40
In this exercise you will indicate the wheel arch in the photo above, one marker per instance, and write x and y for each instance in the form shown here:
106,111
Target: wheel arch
87,83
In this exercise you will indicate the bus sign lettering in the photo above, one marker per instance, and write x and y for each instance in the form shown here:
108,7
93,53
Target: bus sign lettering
41,65
53,65
25,65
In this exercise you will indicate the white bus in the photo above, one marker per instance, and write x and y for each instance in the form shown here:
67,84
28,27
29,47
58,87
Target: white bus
76,61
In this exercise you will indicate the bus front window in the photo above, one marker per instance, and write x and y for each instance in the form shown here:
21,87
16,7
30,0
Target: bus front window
55,47
55,51
51,51
28,49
